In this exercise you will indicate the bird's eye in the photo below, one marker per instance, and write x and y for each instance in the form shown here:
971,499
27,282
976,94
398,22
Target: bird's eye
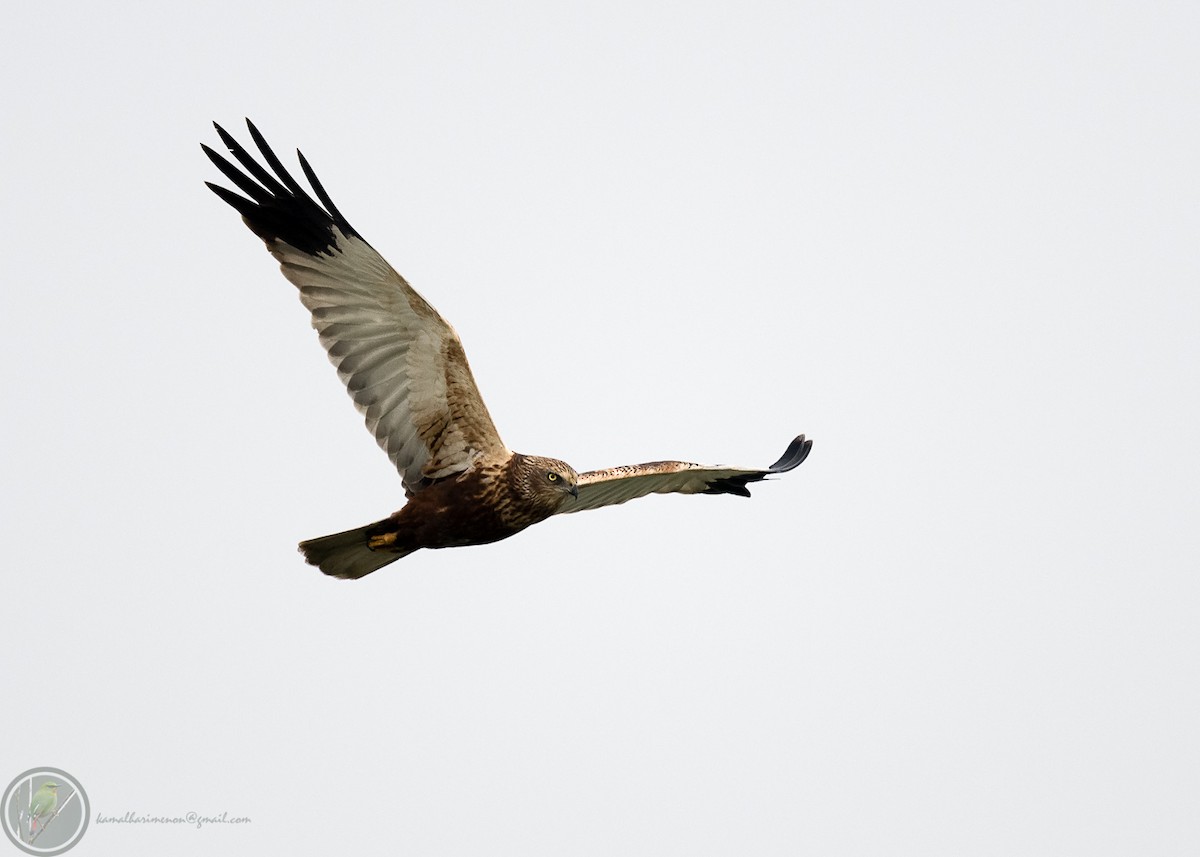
552,476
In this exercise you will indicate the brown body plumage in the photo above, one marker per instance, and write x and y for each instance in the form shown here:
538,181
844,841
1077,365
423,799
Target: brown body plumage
406,370
480,506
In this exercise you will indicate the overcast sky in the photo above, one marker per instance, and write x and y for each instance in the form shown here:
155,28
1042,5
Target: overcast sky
955,244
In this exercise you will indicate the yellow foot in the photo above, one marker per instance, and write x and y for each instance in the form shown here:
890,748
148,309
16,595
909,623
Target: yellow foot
386,540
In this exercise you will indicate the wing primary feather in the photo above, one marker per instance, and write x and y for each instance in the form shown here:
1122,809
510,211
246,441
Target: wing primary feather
249,164
793,456
309,174
294,186
278,208
241,205
277,165
732,485
245,184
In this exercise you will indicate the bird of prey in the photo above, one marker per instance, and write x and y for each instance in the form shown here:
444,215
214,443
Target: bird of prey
45,799
405,368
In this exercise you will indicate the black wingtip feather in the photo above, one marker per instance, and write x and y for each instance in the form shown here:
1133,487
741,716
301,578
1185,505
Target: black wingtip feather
732,485
239,203
319,188
792,457
278,207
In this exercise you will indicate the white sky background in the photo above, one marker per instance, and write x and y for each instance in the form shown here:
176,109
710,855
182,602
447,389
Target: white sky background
956,244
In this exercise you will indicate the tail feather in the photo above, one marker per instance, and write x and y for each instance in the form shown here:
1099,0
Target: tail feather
346,554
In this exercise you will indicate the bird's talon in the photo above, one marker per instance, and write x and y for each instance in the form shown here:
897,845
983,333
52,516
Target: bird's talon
383,541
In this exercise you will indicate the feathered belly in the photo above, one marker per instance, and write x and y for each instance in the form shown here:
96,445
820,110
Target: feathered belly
471,514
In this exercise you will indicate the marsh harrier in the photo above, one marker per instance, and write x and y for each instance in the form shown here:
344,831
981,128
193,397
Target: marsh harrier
405,368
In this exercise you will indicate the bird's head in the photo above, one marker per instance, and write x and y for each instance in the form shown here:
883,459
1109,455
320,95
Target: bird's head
548,481
51,786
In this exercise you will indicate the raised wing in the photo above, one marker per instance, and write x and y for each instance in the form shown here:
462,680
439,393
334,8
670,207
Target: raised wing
619,484
402,363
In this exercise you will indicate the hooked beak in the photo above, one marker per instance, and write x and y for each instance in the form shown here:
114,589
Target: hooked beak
574,491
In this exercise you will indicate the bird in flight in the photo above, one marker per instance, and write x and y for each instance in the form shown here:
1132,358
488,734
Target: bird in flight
405,368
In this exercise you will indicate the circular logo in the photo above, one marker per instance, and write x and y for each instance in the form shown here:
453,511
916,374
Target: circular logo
45,811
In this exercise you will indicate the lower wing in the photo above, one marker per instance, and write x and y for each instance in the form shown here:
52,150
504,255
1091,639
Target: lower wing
620,484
